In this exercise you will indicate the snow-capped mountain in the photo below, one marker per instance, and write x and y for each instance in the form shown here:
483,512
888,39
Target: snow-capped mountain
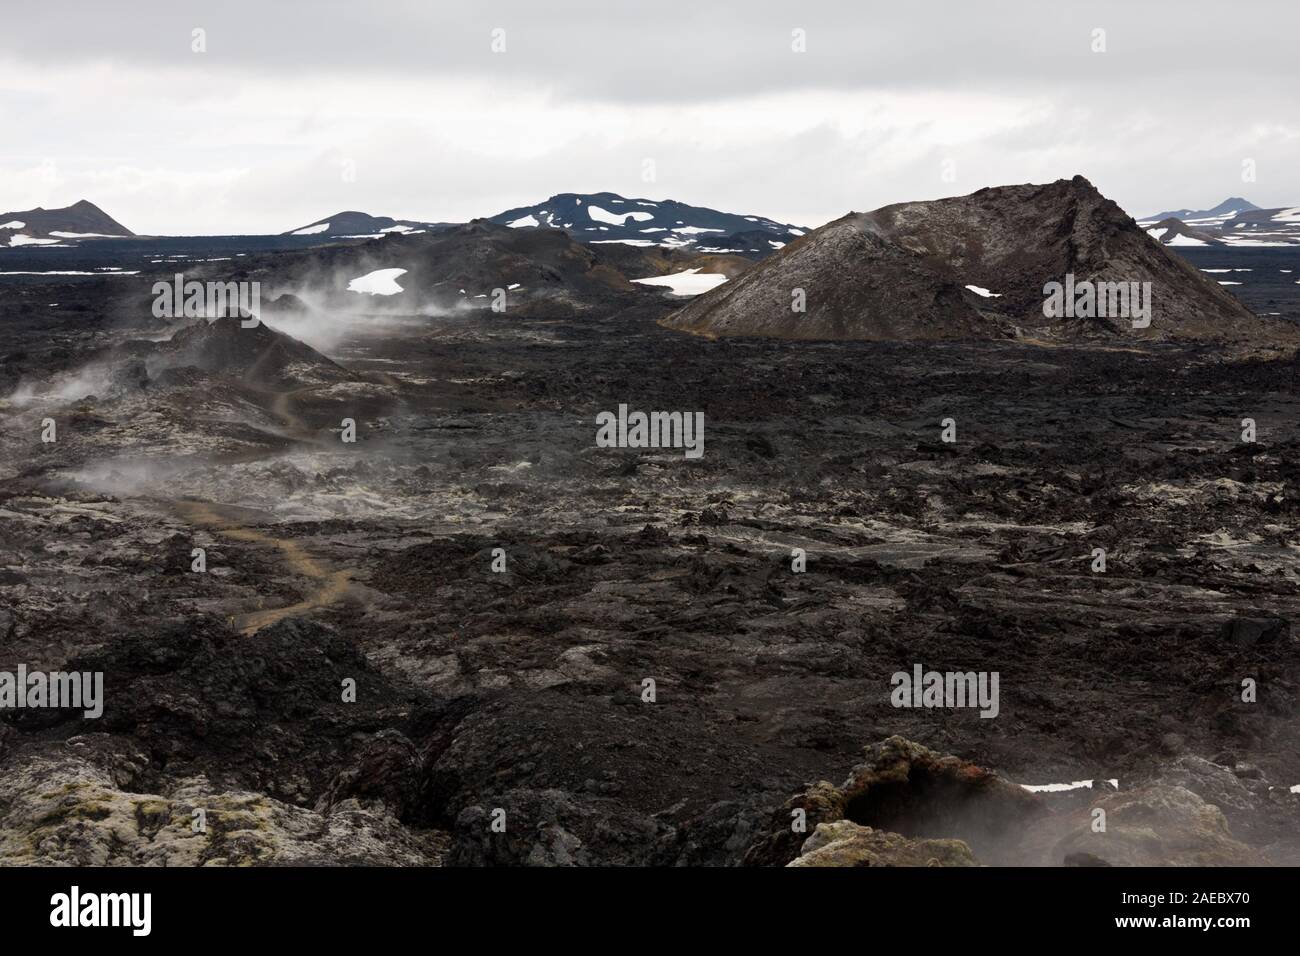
1197,217
360,225
1233,222
609,217
59,227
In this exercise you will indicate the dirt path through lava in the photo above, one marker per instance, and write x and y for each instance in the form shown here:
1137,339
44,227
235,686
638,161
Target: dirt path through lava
332,585
298,429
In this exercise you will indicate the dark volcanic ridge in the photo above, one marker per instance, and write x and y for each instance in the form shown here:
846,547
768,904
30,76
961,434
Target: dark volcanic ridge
359,225
974,266
1175,232
471,266
81,220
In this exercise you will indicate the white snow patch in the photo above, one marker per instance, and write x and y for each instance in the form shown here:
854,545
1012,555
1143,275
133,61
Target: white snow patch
1060,787
379,282
617,218
21,240
979,290
85,235
312,230
1255,243
696,230
690,282
13,224
1186,241
522,221
1157,233
1288,215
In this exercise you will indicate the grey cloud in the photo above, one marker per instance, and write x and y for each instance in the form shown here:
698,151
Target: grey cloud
674,49
1185,91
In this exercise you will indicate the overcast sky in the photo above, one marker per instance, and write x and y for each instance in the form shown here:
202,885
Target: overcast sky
108,102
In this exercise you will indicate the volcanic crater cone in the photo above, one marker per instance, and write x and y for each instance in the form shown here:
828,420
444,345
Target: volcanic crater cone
258,355
972,267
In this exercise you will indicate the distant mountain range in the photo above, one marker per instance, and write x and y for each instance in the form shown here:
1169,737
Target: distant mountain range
56,227
595,218
606,217
1233,222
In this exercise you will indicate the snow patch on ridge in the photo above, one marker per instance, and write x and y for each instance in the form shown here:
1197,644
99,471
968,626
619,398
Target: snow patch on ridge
617,218
379,282
21,240
690,282
1061,787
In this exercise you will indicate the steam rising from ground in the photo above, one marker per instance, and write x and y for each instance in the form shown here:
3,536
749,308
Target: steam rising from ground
127,477
333,315
95,379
